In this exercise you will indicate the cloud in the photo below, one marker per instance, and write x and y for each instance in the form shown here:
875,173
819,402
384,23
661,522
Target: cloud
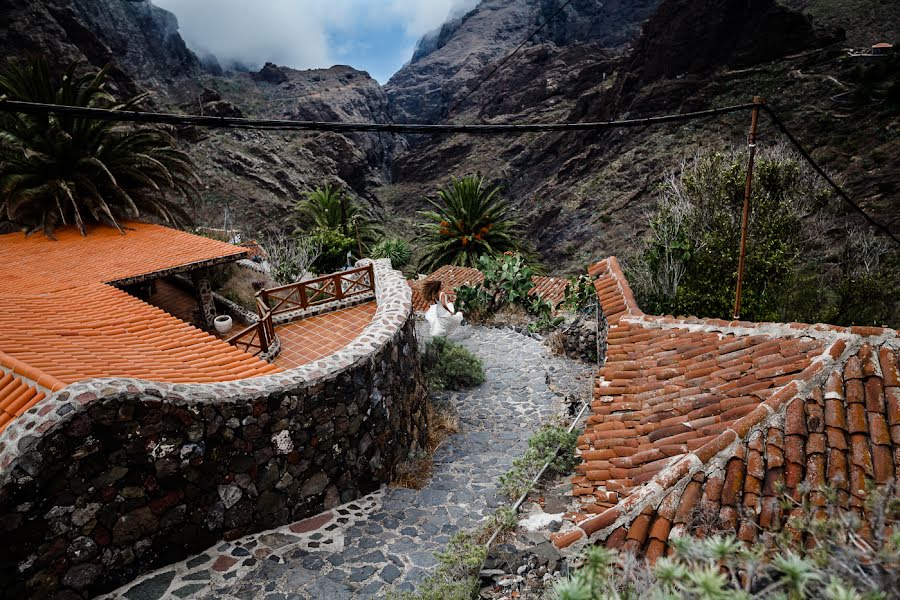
305,34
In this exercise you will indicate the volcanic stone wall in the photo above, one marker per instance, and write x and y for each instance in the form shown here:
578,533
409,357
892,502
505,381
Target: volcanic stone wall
111,478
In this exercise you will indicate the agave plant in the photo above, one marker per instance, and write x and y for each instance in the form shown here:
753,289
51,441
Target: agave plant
469,220
327,207
60,170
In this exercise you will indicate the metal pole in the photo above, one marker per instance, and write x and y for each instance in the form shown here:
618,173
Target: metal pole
748,188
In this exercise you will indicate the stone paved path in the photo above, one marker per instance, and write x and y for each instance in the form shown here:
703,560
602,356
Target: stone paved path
387,538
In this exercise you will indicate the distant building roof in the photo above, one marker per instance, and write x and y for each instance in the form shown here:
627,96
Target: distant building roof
700,425
882,45
551,289
61,321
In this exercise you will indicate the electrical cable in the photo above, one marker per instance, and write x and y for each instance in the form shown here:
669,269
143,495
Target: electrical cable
102,114
459,103
125,116
812,162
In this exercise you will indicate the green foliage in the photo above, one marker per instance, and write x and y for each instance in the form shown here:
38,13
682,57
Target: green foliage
688,262
449,366
552,443
841,564
456,575
333,248
396,249
468,222
580,292
58,169
508,280
327,207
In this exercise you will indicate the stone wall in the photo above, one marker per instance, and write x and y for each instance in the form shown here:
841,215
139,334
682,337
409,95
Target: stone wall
583,338
110,478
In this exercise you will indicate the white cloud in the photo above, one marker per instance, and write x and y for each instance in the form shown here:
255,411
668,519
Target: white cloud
295,33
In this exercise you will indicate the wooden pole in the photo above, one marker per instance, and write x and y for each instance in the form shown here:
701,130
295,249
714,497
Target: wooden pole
748,188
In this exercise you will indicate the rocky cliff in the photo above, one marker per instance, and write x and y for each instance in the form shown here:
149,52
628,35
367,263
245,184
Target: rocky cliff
579,195
449,62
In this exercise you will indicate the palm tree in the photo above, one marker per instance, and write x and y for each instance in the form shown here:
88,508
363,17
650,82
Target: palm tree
469,221
59,169
327,207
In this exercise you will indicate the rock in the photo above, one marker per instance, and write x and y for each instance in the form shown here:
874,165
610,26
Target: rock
271,73
133,526
82,549
81,577
314,485
230,495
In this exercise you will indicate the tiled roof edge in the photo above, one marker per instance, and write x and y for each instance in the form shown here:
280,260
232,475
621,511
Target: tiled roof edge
42,381
613,291
394,310
241,253
819,331
707,456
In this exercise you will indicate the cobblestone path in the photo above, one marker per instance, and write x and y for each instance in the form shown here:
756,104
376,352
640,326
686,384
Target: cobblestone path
388,538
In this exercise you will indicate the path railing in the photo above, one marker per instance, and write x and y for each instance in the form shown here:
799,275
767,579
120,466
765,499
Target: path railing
321,290
256,339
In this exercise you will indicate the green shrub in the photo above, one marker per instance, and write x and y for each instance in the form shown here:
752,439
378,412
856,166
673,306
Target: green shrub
580,293
507,282
396,249
449,366
845,561
542,448
333,247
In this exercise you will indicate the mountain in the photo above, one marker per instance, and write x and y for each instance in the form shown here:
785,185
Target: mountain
580,195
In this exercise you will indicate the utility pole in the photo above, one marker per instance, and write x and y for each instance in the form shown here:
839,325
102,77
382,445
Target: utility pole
748,188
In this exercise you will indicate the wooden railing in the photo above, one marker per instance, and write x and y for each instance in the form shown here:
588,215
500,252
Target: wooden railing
321,290
256,339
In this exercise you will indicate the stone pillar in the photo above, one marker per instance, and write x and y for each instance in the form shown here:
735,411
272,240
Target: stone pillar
205,300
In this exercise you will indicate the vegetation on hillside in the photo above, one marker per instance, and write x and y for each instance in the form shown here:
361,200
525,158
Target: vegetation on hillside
396,249
469,220
58,170
687,264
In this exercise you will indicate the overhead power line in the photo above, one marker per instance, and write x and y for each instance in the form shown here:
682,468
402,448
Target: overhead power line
812,162
127,116
540,28
102,114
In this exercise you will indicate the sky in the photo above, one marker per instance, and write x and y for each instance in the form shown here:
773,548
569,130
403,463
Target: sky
377,36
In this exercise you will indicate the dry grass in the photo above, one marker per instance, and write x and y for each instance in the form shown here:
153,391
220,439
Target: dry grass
415,474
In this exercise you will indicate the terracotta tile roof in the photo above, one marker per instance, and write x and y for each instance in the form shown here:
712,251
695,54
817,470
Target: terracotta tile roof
696,416
61,322
35,264
551,289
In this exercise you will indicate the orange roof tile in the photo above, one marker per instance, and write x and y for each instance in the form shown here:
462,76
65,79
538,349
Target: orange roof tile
62,322
551,289
713,416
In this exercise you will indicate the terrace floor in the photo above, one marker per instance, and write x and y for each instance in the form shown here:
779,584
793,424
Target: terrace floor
310,339
302,342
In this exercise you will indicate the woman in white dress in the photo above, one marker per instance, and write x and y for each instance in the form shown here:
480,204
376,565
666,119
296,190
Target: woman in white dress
441,315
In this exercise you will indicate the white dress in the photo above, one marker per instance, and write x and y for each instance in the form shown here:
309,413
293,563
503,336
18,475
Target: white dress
443,321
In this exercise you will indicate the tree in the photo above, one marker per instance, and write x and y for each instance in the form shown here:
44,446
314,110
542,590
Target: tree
469,220
290,257
57,169
327,207
688,261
